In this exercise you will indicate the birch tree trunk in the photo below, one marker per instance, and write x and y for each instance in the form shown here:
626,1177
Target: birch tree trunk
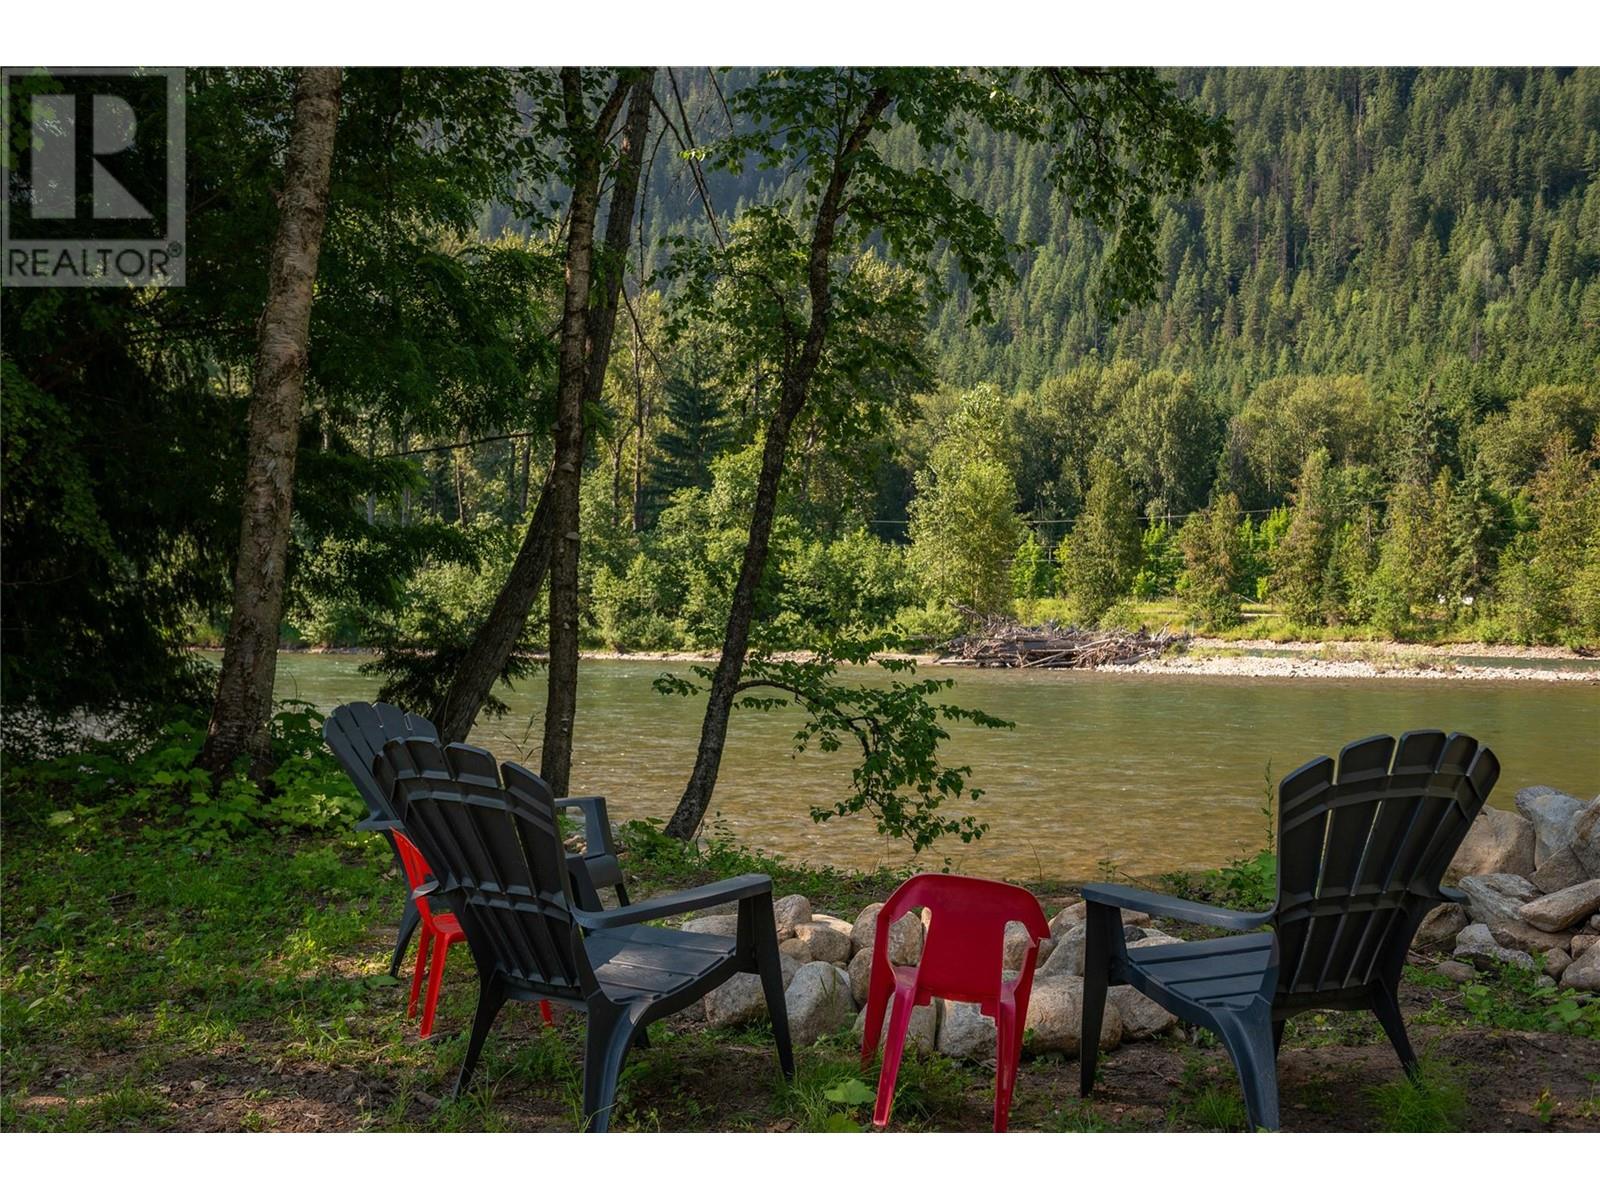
243,703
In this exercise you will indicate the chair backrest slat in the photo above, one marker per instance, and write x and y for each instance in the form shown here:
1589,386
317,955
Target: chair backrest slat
1363,847
356,734
491,836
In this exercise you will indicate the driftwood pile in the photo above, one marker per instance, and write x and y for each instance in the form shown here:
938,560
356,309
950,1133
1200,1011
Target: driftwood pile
1003,643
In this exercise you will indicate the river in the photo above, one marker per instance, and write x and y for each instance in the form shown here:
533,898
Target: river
1150,773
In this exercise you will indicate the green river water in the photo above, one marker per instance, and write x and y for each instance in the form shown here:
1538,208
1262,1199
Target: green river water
1151,772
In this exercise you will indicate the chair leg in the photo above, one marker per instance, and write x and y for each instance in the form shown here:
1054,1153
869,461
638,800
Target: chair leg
1008,1056
1277,1038
880,987
606,1044
893,1047
544,1012
1249,1044
1387,1007
622,895
1096,980
490,997
424,942
410,918
769,965
441,950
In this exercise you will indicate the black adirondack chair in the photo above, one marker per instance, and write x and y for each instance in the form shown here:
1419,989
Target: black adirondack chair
357,733
1360,859
495,848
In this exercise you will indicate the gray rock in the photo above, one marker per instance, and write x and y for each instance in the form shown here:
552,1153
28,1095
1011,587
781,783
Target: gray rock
1585,843
824,942
1519,935
922,1034
818,999
964,1032
725,924
1499,842
1555,962
1067,918
1562,909
1018,939
1584,971
860,972
1154,937
1594,921
1067,956
1441,925
1581,943
794,948
1497,897
1055,1016
790,911
1552,813
905,935
1545,981
740,1000
1476,945
1141,1016
1459,972
1560,871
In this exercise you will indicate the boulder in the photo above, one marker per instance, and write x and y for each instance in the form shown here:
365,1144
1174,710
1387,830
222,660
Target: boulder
790,911
1066,958
1018,939
1581,942
838,923
725,924
1067,918
1519,935
1154,937
1562,909
860,972
1594,921
824,942
1559,872
1499,897
794,948
1499,842
1555,962
922,1034
1552,813
1585,843
1476,945
964,1032
818,999
1141,1016
1055,1016
1458,972
741,1000
905,935
1585,971
1441,925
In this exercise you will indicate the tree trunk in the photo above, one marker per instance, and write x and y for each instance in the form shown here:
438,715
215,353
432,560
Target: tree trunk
249,658
587,326
794,390
641,418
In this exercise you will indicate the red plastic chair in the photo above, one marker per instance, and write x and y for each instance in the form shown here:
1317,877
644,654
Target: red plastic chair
962,959
438,930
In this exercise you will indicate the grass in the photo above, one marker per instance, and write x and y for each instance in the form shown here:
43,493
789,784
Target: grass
1434,1102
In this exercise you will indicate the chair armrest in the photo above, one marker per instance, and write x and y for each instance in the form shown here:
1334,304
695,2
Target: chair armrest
426,888
741,887
1452,895
596,825
378,825
1115,895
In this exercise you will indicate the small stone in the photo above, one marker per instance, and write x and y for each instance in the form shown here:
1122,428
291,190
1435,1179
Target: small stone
1555,962
818,1000
1560,871
1552,813
860,972
794,948
1475,944
1544,981
922,1034
1055,1016
1068,917
1458,972
724,925
905,936
826,943
1499,842
1581,943
790,911
1561,909
1584,972
741,1000
964,1031
1441,925
1142,1017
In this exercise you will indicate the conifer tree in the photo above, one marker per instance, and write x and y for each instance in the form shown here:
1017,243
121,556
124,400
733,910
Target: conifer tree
1300,559
1103,551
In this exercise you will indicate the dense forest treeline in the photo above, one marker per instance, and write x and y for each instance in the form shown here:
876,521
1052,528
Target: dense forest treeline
1364,390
